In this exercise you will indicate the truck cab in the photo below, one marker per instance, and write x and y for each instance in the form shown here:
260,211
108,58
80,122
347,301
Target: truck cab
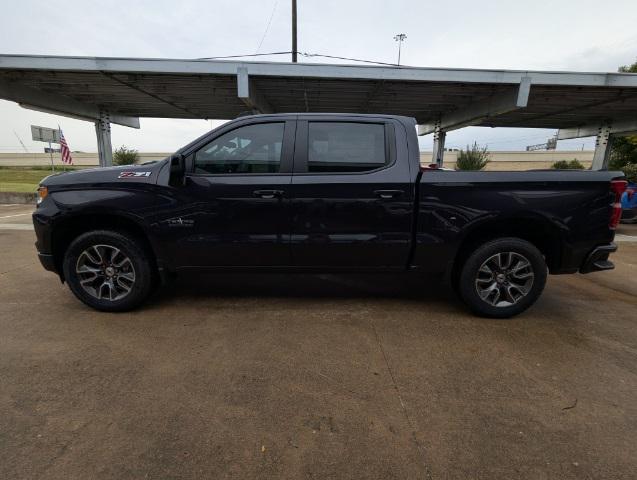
303,192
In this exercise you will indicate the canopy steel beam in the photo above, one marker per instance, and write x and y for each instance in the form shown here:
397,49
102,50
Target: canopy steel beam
35,99
308,70
617,127
153,95
248,93
477,112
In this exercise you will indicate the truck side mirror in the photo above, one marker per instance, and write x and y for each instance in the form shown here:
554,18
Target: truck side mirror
177,169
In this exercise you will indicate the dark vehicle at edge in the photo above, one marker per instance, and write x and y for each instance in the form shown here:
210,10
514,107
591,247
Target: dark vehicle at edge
629,204
323,193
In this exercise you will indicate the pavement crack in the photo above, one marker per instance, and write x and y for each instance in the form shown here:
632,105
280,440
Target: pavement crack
16,268
414,436
571,406
340,385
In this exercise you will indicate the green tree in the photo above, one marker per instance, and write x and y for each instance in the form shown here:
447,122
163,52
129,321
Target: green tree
628,68
473,158
125,156
624,152
630,170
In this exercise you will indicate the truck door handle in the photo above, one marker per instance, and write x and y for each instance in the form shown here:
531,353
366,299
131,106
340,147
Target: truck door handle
268,194
387,194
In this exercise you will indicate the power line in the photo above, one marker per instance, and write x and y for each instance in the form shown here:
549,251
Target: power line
267,28
512,139
247,55
303,54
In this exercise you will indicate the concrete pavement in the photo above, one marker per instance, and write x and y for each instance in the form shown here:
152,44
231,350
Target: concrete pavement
292,376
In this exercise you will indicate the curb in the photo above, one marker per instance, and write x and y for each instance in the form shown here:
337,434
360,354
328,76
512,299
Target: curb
17,197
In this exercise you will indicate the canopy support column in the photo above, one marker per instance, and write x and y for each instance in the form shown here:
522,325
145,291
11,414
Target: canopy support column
439,145
103,133
603,147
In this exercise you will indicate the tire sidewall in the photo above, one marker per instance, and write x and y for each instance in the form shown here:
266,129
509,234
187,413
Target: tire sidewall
469,271
130,247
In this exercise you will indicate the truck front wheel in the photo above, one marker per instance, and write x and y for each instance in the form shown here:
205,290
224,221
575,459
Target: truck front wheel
502,277
108,270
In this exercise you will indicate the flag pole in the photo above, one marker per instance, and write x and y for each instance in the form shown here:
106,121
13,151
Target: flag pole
63,162
51,155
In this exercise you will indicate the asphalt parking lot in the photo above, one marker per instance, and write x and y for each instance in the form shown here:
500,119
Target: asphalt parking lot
274,376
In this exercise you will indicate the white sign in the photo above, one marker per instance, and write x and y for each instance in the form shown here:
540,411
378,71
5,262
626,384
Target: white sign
43,134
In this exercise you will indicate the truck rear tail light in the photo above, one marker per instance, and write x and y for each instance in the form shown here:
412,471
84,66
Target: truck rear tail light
630,192
618,187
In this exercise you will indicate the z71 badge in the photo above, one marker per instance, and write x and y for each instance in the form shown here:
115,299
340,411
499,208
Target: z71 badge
134,174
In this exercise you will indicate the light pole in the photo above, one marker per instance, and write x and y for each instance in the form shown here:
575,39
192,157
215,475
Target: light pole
399,38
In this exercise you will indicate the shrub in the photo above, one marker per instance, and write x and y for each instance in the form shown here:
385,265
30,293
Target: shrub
630,170
568,165
474,158
125,156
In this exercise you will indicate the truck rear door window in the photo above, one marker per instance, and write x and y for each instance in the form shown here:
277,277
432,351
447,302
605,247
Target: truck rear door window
250,149
342,147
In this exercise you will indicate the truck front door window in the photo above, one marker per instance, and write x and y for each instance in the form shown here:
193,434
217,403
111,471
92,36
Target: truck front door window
249,149
342,147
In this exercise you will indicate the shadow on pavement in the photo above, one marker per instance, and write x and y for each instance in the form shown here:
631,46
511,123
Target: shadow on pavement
410,286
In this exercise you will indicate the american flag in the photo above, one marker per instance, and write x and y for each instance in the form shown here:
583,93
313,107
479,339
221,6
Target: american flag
64,150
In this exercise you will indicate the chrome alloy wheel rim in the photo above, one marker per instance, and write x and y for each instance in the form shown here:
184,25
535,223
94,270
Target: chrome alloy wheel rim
105,273
504,279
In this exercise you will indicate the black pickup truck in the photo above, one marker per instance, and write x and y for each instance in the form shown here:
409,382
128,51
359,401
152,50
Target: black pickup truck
323,193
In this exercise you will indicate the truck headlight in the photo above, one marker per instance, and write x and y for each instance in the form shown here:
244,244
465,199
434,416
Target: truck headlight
42,193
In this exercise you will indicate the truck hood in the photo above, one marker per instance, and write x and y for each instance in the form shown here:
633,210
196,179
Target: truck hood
146,173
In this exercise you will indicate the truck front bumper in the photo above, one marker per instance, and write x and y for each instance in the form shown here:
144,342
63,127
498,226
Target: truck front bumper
42,218
597,260
47,261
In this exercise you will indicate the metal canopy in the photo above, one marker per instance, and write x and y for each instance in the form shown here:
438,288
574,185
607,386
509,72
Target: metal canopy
440,99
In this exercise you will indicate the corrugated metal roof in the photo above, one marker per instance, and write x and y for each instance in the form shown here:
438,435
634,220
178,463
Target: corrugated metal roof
208,89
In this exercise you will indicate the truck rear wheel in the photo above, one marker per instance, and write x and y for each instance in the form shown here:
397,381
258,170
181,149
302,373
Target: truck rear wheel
108,271
502,277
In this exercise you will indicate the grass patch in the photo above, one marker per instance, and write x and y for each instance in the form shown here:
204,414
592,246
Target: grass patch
24,179
45,168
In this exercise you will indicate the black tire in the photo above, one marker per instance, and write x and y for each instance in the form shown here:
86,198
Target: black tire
506,291
80,256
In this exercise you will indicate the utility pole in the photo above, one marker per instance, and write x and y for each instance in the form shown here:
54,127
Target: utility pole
294,47
399,38
21,142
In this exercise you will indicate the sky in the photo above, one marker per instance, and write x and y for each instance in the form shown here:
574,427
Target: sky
576,35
